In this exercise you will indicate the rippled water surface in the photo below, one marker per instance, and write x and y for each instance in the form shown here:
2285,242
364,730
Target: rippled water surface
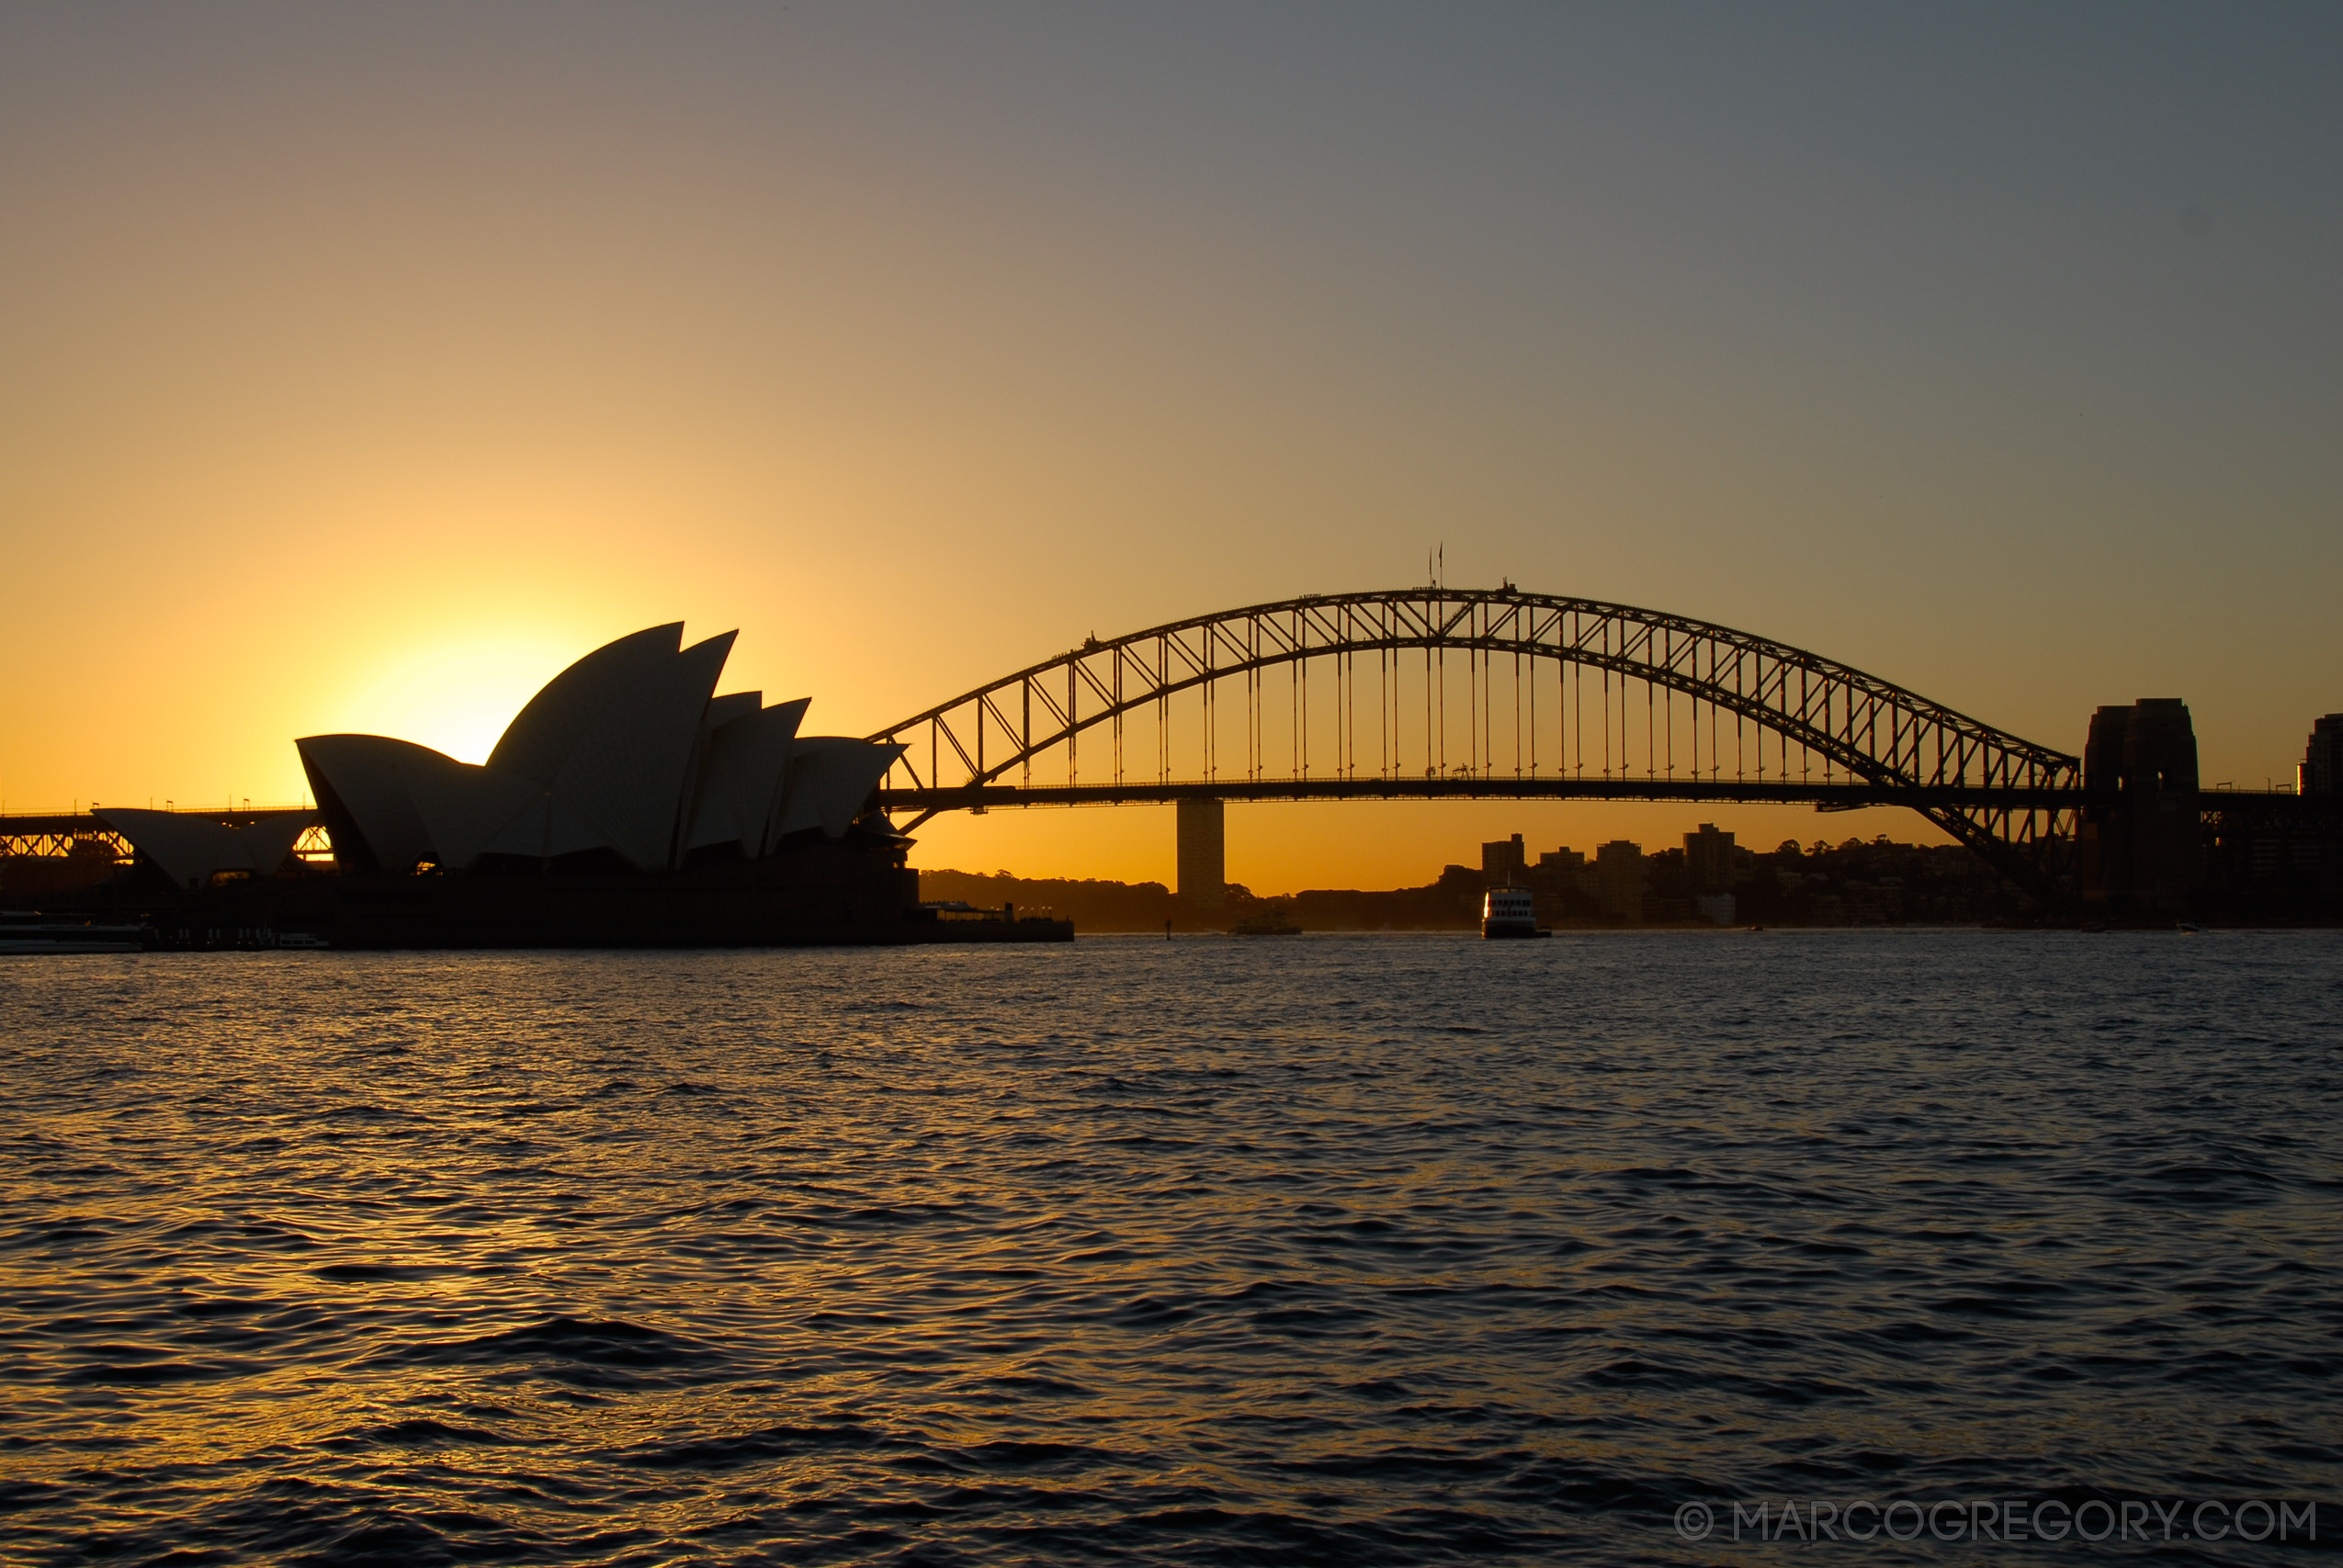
1335,1249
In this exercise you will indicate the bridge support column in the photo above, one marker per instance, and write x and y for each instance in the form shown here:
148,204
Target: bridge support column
2147,850
1202,855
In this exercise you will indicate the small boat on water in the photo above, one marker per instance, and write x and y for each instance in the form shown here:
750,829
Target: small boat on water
1509,912
23,930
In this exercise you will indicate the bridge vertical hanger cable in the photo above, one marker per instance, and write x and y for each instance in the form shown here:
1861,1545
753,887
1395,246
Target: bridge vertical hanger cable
1784,737
1351,708
1346,705
1472,707
1611,724
1340,708
1472,710
1487,762
1606,700
1740,717
1255,682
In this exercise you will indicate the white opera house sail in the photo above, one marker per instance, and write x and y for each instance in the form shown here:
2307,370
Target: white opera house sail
628,761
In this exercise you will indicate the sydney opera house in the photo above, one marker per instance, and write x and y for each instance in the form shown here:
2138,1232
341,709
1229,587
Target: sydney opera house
628,804
626,760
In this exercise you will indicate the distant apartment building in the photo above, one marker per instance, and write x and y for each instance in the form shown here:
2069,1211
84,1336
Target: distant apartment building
2321,769
1709,868
1619,881
1564,861
1709,860
1501,864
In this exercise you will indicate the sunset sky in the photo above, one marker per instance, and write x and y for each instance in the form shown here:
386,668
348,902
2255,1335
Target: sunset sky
361,366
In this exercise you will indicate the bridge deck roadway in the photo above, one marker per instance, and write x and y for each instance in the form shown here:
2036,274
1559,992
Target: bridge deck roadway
1829,796
1792,792
70,822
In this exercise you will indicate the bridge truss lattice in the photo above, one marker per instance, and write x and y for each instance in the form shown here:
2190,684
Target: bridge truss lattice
1498,692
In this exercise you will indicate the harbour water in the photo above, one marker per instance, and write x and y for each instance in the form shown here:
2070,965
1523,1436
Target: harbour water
1342,1249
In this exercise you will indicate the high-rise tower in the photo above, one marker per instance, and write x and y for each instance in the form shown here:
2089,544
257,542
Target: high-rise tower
2321,769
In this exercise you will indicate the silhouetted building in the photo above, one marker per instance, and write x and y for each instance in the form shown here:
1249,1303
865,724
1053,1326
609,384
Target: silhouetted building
626,762
1202,828
1562,861
2142,839
193,852
2279,857
1619,881
1708,860
2321,769
1501,864
628,803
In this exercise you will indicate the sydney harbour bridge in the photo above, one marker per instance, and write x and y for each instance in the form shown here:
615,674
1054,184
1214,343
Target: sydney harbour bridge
1486,694
1429,693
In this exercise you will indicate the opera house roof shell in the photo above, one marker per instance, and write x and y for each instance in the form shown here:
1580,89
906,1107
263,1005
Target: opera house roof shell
627,753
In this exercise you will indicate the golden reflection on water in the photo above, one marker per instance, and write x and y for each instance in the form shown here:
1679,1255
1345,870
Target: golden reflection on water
778,1248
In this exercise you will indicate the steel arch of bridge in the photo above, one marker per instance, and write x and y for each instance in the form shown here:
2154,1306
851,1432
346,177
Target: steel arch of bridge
1871,741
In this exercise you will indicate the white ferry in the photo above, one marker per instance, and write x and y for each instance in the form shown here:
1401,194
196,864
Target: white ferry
1509,911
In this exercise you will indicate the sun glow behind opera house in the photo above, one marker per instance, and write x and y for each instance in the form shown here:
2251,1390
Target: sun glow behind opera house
626,760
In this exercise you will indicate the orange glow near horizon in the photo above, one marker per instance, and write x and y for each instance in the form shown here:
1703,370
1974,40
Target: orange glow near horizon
1286,847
